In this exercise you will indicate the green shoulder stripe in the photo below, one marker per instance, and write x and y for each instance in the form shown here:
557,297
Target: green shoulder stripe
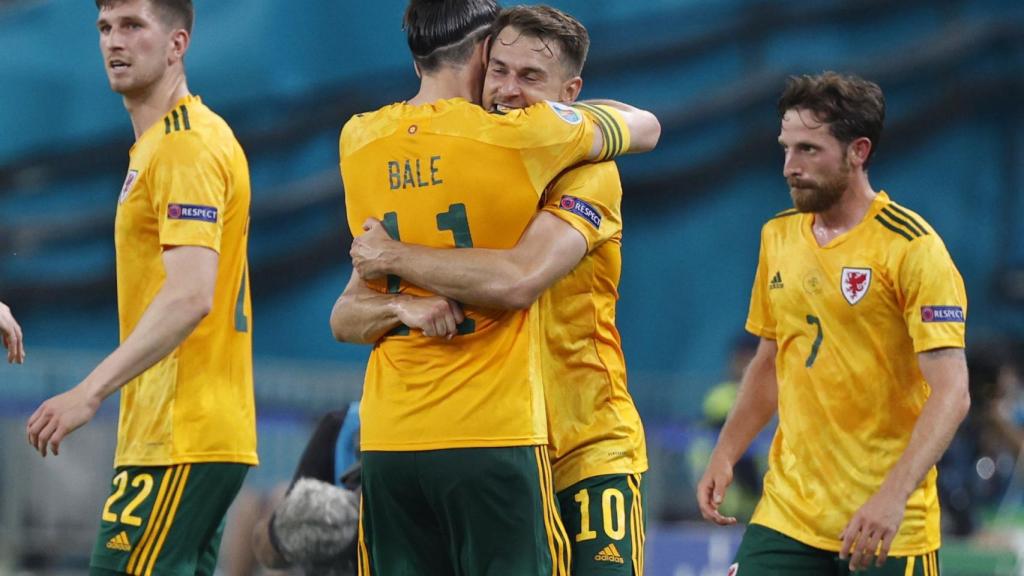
609,129
901,222
909,217
893,227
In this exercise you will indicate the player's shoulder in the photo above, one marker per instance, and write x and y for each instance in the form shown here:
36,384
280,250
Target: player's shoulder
366,127
191,129
902,225
540,125
591,175
782,222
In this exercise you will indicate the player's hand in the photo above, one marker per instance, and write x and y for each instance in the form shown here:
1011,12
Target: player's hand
711,490
373,251
872,530
11,334
434,315
58,417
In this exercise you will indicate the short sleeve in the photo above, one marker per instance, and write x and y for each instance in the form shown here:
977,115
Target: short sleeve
760,320
934,297
190,189
589,198
553,137
615,133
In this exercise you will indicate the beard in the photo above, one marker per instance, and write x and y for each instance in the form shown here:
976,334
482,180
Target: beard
809,196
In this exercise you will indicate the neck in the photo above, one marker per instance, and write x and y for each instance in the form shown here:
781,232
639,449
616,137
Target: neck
147,106
448,82
851,208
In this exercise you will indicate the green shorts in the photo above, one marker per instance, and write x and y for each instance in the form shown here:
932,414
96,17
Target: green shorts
165,520
767,552
475,511
606,522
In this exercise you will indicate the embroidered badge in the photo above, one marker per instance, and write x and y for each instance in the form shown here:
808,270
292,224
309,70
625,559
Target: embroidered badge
855,283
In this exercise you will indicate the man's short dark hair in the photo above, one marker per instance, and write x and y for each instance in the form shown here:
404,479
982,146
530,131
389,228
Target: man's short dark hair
549,25
852,106
444,32
173,13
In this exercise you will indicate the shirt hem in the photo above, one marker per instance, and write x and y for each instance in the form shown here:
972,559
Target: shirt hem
929,345
567,481
815,541
447,444
250,459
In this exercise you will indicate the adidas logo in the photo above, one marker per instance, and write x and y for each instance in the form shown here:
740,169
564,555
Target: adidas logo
776,282
120,542
610,554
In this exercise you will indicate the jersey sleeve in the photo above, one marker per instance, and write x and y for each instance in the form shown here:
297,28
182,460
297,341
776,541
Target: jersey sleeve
614,132
760,320
589,198
190,189
934,297
553,137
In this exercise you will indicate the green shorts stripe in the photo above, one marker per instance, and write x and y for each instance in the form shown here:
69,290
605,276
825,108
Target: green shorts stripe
561,552
607,524
767,552
165,519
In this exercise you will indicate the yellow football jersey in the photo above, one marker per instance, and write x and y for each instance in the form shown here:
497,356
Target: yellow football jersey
849,319
449,174
187,185
594,427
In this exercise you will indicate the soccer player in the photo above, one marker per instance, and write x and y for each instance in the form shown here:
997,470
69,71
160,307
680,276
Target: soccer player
597,446
861,315
10,331
187,430
456,474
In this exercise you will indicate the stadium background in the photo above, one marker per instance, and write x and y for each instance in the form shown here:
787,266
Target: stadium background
286,75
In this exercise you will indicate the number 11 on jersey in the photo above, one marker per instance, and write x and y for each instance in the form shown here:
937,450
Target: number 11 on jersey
456,221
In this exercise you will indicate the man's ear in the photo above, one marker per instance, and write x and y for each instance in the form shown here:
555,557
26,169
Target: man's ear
571,89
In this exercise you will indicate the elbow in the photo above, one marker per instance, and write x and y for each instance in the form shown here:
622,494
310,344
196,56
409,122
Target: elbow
338,325
963,402
650,134
342,325
196,306
519,295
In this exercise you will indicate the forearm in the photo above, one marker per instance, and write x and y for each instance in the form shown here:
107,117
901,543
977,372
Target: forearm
474,276
365,316
940,417
932,434
756,404
165,324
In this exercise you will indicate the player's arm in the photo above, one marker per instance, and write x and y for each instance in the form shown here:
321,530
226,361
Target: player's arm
878,521
756,404
507,279
185,298
644,128
361,315
12,336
